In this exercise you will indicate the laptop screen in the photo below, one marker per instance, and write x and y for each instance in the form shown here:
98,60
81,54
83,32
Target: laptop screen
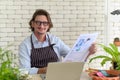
64,70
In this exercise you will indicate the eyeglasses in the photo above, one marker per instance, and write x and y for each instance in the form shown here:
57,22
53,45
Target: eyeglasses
39,23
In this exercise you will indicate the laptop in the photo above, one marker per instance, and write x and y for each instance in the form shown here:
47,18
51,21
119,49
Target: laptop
64,70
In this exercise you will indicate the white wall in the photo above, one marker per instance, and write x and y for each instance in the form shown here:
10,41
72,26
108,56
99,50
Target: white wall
70,18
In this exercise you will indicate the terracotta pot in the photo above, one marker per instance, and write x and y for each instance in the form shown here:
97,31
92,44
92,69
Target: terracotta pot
114,73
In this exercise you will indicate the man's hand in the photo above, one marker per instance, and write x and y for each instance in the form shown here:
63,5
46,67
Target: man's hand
42,70
92,49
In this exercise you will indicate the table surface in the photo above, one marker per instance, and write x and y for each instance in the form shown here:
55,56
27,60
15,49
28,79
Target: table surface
84,76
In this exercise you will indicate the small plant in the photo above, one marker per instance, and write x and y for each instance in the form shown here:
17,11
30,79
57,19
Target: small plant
7,70
114,57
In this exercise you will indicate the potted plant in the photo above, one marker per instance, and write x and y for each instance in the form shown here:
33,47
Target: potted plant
7,70
114,57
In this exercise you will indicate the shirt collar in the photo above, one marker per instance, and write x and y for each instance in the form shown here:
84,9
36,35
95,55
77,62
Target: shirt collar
34,38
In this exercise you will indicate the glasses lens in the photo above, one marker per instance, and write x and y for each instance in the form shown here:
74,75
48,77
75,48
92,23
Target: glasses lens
45,23
39,23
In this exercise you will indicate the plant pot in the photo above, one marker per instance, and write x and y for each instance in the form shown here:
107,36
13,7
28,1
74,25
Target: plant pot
114,73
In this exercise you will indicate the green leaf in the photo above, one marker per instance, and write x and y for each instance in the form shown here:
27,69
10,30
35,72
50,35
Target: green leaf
109,51
115,49
105,60
101,56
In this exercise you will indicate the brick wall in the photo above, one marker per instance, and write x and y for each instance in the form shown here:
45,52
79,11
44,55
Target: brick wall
70,18
113,20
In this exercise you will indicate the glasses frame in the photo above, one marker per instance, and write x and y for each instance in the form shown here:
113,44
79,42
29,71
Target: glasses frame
39,23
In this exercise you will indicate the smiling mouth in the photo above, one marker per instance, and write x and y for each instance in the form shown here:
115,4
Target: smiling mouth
40,29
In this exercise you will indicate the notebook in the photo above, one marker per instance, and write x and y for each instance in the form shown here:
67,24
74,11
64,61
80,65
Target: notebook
64,71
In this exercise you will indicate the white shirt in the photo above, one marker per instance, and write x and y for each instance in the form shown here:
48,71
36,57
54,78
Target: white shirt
25,50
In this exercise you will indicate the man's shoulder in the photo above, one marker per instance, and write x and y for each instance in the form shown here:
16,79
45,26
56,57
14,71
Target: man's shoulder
53,37
26,40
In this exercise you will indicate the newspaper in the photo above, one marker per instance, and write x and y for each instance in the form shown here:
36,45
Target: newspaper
80,50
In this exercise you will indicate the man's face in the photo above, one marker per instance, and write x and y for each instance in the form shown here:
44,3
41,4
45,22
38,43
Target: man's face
40,24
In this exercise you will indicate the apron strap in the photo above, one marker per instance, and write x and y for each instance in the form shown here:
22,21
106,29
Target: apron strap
49,42
31,42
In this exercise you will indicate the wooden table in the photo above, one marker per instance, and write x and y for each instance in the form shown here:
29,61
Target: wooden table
84,76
